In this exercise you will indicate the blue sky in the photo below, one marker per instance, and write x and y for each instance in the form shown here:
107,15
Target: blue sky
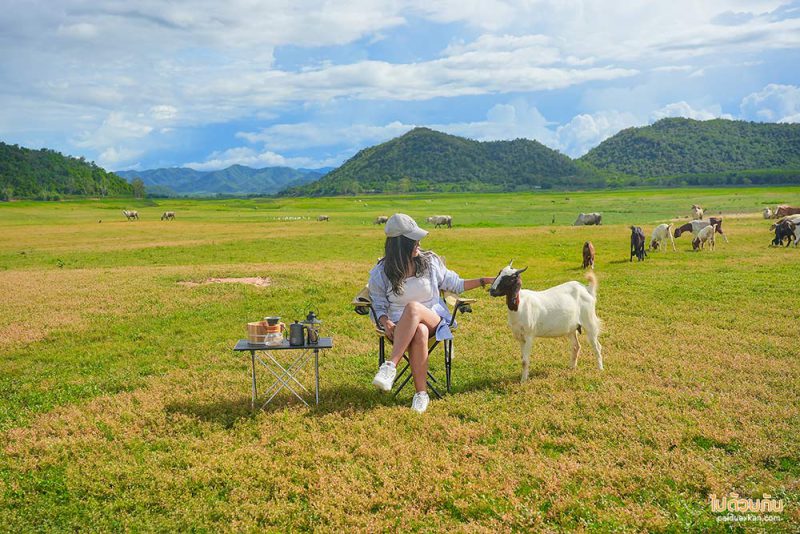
141,84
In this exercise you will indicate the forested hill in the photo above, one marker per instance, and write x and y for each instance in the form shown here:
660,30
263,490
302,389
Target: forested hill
46,174
686,146
427,160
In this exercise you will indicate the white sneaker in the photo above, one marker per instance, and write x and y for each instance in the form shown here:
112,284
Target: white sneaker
420,401
385,377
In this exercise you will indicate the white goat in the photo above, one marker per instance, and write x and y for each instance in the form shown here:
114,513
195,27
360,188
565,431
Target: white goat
697,212
661,233
707,235
767,213
560,311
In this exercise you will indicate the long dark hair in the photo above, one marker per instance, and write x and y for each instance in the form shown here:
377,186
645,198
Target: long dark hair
396,259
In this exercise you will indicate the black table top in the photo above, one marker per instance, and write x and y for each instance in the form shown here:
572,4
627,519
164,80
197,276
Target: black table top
324,343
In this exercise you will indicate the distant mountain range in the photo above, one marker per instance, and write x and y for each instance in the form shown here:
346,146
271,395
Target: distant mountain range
672,151
235,180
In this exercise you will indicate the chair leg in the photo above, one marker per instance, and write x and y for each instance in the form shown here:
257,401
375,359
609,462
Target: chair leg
448,361
381,351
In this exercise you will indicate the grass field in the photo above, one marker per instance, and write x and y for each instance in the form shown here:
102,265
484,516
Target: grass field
122,406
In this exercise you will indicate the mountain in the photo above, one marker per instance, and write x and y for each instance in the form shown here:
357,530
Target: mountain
427,160
689,147
235,180
46,174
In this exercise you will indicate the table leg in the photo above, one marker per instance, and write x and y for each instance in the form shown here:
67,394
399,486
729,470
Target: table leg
253,361
316,371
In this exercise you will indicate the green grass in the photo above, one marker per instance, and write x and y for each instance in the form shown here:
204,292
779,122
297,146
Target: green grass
122,406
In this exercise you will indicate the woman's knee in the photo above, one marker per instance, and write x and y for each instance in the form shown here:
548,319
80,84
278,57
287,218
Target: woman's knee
413,308
422,333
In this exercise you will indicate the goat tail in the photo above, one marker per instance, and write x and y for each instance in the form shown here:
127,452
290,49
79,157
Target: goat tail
592,284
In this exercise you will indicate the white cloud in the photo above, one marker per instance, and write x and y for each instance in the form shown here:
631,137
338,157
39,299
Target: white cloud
121,73
164,112
113,157
585,131
513,120
774,103
684,109
253,158
301,135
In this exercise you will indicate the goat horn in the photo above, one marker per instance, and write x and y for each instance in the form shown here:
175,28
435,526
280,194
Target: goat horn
520,271
512,261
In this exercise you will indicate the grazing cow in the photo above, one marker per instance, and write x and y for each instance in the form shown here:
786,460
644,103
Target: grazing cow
637,243
441,220
695,226
588,219
697,212
661,233
168,216
784,210
785,230
767,213
322,218
130,214
588,255
381,219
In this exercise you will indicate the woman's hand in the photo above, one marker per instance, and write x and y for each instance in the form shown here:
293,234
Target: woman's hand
388,328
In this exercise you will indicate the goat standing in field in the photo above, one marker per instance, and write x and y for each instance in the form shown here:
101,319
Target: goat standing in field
661,233
588,255
168,216
697,212
785,229
706,235
637,243
561,311
695,226
131,214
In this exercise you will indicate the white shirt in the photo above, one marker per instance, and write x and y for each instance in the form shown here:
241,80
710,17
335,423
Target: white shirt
414,290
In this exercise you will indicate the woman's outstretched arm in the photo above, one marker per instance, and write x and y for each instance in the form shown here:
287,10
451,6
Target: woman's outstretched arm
478,282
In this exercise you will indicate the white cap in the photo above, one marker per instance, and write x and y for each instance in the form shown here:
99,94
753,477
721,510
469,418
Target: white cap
401,224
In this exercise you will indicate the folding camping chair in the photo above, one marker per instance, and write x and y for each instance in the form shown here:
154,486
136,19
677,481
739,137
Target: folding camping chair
363,306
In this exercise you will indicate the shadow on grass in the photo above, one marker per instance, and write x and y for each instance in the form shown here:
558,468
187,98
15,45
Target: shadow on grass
339,398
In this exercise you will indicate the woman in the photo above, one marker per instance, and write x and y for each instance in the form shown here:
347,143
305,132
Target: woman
404,288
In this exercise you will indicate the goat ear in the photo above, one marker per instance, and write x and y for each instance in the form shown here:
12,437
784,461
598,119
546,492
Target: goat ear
520,271
509,263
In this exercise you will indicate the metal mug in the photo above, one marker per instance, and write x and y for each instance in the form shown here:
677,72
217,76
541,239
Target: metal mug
296,337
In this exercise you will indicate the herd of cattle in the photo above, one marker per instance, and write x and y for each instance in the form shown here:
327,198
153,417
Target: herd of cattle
134,215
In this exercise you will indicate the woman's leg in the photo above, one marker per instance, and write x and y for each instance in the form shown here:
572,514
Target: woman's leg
414,314
418,356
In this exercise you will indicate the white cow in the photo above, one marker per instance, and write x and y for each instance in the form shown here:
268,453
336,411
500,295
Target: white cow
587,219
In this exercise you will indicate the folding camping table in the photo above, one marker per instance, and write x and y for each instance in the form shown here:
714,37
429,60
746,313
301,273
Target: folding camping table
285,375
